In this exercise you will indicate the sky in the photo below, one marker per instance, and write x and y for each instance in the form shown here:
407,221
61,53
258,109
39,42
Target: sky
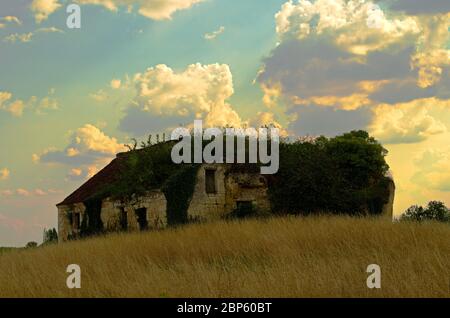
71,98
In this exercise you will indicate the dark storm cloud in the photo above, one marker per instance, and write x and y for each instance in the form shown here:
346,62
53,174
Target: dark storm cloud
419,6
313,68
315,120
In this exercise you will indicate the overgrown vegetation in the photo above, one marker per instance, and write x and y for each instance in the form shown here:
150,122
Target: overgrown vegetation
344,174
178,190
434,211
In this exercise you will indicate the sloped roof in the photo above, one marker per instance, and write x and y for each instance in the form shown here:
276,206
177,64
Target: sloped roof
104,177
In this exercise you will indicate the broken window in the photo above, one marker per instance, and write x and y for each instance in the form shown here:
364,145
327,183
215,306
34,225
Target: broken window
210,181
141,215
123,219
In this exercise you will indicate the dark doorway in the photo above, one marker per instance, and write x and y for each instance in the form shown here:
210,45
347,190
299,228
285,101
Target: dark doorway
123,219
76,221
141,215
210,181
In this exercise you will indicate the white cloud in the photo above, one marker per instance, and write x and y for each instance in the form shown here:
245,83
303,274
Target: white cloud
357,26
90,138
89,149
409,122
28,37
23,37
43,8
200,91
214,34
267,119
99,96
433,54
4,174
434,169
153,9
116,83
11,19
18,106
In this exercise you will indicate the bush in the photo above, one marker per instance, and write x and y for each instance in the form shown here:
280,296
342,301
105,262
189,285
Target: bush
435,211
31,245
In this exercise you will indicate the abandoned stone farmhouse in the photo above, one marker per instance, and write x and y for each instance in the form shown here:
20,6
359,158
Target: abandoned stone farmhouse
218,191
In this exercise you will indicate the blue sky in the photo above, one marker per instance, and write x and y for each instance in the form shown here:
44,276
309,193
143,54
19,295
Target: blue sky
62,119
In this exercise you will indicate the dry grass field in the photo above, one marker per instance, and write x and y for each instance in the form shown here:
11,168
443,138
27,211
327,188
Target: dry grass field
279,257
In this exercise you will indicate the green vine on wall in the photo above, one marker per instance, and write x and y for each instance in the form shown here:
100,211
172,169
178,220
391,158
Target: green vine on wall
178,190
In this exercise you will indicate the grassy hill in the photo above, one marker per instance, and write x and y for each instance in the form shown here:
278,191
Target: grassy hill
279,257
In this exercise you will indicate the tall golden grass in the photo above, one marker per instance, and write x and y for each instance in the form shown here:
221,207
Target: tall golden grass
279,257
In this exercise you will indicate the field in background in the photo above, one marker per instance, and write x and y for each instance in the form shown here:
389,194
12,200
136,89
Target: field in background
280,257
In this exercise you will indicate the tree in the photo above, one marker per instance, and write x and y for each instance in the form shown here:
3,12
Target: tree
50,236
345,174
435,210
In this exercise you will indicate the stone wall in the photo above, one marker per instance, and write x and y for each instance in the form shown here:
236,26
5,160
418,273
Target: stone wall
65,226
153,201
231,187
208,206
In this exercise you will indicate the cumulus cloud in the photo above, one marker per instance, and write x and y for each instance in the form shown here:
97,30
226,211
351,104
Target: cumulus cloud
266,119
88,150
342,65
409,122
4,174
433,169
17,107
152,9
116,83
432,58
43,8
9,19
199,91
214,34
99,96
356,26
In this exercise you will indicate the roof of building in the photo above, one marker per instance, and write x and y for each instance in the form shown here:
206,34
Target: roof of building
104,177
